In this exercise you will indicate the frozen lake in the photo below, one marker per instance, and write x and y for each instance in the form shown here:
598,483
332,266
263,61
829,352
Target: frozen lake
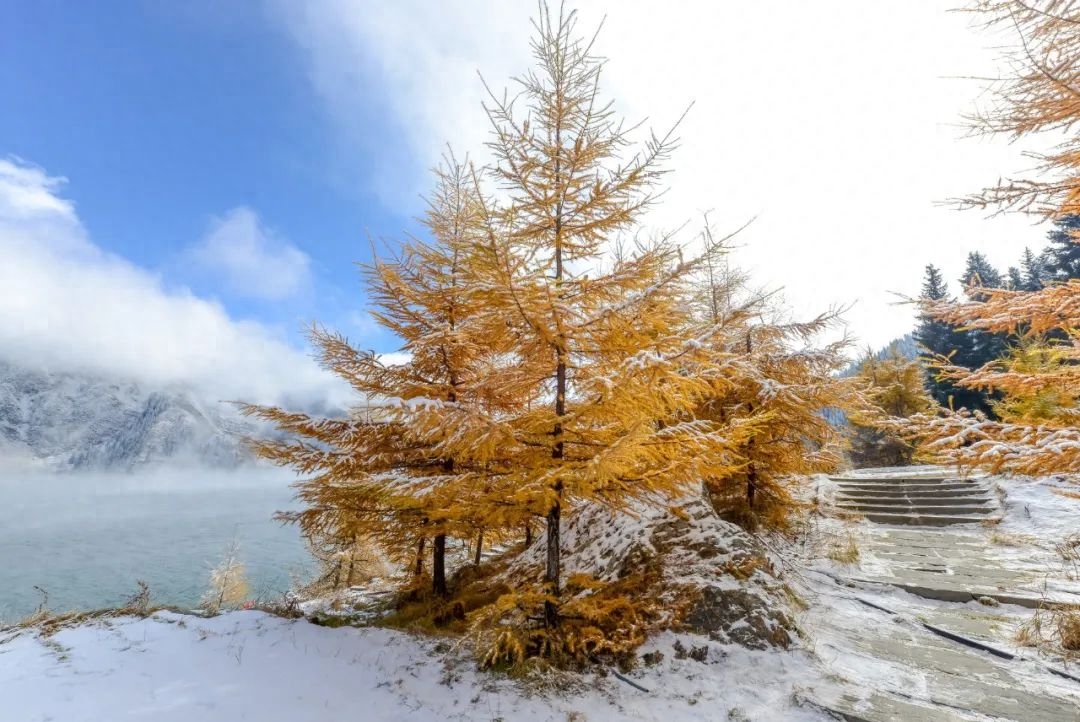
87,538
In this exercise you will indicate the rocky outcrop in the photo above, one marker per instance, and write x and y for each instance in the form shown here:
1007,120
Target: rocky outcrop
709,575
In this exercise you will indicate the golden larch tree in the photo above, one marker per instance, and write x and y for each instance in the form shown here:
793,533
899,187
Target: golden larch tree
1040,93
388,474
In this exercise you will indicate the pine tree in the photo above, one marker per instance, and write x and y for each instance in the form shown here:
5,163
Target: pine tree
979,347
1061,259
940,343
1014,280
979,273
1032,272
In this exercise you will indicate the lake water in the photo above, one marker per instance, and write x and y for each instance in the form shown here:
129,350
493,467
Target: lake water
87,539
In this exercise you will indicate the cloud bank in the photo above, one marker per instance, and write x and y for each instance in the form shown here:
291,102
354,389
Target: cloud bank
65,304
836,124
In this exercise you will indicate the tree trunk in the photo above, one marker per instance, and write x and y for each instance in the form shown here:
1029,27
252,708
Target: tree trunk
479,547
420,556
751,474
438,566
751,486
551,572
551,575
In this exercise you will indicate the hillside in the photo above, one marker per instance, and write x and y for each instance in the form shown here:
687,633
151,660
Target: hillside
72,421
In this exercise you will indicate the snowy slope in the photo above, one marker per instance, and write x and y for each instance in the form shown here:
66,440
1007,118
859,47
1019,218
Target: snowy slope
248,665
66,421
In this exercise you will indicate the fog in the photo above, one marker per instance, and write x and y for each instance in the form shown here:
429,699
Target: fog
87,538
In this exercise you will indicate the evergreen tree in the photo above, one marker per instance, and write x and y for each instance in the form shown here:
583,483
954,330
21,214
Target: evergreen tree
1061,259
1014,281
1039,381
1032,272
941,343
979,272
978,347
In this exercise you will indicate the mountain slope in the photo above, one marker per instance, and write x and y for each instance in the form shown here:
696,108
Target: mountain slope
65,420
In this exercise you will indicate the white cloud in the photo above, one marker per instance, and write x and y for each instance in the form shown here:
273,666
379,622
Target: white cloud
835,124
250,259
67,304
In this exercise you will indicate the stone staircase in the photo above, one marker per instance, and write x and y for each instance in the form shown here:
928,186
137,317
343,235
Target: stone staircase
916,500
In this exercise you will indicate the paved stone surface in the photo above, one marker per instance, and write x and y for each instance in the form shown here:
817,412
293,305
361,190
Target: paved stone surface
896,667
902,671
948,556
915,501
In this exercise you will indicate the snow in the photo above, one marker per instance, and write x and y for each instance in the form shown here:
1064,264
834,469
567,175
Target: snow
1037,507
250,665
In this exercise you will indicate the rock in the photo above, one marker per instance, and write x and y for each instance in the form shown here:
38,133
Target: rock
738,615
711,576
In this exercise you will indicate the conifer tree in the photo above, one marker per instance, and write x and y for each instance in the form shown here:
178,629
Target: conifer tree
558,358
386,474
979,273
894,389
1039,95
610,376
780,386
1061,259
1013,279
1032,272
939,343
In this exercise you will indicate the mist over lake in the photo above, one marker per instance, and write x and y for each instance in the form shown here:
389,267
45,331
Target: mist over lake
87,538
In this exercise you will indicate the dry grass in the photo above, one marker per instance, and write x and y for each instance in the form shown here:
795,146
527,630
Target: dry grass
1069,551
1007,539
1052,629
47,622
845,551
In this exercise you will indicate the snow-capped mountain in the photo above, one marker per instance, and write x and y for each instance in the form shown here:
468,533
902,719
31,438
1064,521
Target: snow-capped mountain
67,421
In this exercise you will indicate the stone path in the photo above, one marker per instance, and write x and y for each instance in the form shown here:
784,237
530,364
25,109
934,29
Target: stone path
954,560
916,501
916,656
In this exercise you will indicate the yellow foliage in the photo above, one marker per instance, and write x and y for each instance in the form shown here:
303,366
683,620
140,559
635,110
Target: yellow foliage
1040,379
550,364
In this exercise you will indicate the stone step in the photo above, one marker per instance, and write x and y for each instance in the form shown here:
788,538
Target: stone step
916,500
920,519
916,510
929,493
899,489
888,481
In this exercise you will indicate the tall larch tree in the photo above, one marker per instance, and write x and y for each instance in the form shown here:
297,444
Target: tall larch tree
387,475
1039,94
780,387
609,375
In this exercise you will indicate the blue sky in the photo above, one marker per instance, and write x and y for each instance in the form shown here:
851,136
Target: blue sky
165,116
184,184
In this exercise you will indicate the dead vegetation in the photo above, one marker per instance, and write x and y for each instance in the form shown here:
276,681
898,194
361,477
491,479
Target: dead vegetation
1053,630
845,551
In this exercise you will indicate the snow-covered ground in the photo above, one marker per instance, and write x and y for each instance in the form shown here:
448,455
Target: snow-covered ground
249,665
854,655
